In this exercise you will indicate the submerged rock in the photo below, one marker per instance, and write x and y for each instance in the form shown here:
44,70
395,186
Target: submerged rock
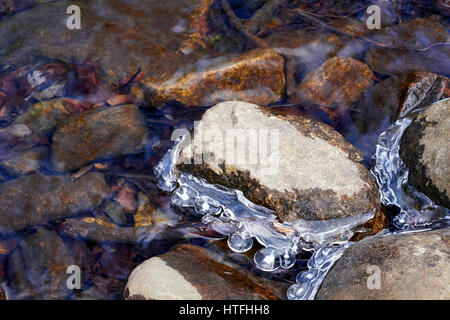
38,267
424,150
415,34
297,167
396,61
120,35
338,80
25,162
194,273
98,134
256,76
43,117
166,41
36,199
412,266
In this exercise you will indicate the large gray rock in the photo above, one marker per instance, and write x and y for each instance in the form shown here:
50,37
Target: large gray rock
317,174
424,148
412,266
189,272
36,199
98,134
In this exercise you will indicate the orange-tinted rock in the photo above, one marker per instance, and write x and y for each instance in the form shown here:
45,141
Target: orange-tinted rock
256,76
194,273
337,81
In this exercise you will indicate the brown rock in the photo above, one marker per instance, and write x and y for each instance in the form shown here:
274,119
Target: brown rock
194,273
338,80
2,294
415,34
98,134
43,259
36,199
42,117
391,61
317,174
424,150
256,76
28,161
122,36
412,266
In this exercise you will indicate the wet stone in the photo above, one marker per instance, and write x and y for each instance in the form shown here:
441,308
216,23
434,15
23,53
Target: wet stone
256,76
36,199
194,273
424,150
98,134
122,36
25,162
39,266
42,117
391,61
412,266
415,34
337,81
317,174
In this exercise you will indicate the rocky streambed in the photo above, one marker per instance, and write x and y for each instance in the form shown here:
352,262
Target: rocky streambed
224,150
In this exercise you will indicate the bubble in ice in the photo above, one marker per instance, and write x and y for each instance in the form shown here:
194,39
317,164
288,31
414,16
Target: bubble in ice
267,259
238,243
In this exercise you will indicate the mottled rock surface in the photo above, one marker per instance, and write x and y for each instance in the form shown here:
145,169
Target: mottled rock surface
98,134
36,199
397,61
412,266
256,76
424,148
122,36
315,175
38,267
338,80
28,161
43,117
415,34
194,273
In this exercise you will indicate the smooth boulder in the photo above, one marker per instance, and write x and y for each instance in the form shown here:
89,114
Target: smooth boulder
425,152
35,199
98,134
190,272
297,167
411,266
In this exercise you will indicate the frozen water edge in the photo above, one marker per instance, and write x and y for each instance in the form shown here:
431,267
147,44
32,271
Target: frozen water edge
230,213
417,211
